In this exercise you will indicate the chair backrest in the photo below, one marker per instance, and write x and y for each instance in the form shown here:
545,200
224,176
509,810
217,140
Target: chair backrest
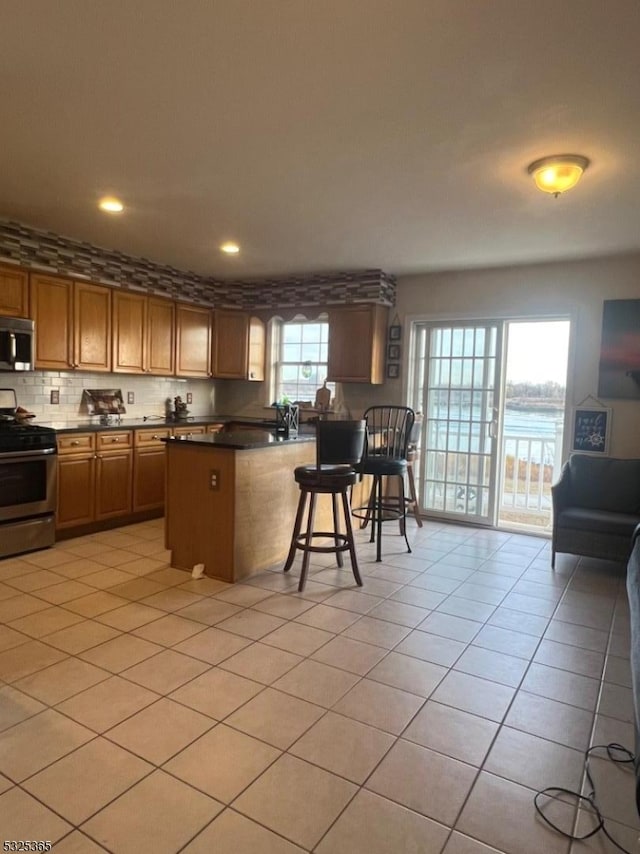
340,442
388,431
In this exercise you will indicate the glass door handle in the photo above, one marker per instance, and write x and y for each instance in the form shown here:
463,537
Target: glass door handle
493,425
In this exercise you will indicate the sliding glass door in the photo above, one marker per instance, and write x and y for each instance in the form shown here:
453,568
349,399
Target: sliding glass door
456,382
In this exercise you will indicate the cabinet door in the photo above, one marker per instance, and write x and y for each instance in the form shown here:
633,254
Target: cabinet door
113,484
14,293
76,488
129,332
357,336
92,327
161,337
257,349
52,311
230,345
193,341
148,479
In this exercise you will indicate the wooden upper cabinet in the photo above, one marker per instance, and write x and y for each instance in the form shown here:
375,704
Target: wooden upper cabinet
161,337
193,341
92,327
238,346
143,334
52,311
357,340
129,338
14,293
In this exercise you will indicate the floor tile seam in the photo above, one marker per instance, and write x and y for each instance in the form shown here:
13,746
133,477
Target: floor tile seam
19,783
391,801
78,826
11,682
228,808
107,675
289,838
272,762
103,732
157,766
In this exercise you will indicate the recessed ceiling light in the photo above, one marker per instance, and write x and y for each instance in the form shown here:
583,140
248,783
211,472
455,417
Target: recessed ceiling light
111,205
230,248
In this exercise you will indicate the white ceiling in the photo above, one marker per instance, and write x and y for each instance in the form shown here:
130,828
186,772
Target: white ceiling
322,134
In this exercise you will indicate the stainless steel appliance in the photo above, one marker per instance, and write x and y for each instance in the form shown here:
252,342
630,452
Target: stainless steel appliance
16,344
28,481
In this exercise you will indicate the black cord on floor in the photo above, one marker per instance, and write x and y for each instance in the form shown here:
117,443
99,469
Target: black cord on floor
616,753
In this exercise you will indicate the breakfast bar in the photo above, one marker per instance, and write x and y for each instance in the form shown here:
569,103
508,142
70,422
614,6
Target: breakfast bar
231,500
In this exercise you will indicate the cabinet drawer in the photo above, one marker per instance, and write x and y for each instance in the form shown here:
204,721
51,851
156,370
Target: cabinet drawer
215,428
149,438
114,440
189,431
75,443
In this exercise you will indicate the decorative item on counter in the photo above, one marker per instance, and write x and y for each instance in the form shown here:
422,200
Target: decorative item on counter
323,397
103,401
180,408
287,420
23,414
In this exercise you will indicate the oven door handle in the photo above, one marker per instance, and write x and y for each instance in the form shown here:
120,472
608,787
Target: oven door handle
14,455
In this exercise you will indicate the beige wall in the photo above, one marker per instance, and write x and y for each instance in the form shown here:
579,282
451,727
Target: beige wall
576,289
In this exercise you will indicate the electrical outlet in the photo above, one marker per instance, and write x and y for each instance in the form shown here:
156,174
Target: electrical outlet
131,398
55,395
189,397
214,479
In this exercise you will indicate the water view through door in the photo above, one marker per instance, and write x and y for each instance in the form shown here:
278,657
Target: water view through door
492,395
533,421
456,379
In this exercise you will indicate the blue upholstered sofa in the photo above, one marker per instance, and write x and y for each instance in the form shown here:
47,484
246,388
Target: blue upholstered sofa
596,507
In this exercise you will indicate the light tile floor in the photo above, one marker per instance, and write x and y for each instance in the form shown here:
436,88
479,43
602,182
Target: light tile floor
143,711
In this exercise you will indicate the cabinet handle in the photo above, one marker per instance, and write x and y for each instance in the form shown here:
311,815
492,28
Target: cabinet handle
75,442
116,439
155,437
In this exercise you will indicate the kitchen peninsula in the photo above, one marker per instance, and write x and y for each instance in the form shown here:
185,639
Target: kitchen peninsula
231,500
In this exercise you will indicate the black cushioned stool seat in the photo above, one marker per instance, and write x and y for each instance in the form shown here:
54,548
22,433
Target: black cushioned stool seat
339,449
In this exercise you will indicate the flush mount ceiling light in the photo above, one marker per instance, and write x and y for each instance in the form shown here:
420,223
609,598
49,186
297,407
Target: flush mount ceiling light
110,204
559,173
230,248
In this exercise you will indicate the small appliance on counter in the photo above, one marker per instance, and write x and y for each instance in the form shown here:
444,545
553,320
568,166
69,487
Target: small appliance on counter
28,480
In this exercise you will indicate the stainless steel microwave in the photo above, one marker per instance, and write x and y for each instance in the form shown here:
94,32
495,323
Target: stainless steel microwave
16,344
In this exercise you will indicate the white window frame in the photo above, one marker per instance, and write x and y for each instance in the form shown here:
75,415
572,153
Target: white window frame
274,347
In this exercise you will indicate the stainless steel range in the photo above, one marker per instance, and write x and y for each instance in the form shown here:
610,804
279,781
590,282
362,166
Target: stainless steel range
28,481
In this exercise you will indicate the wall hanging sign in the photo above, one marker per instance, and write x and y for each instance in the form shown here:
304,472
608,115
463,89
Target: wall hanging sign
591,428
393,353
395,330
393,370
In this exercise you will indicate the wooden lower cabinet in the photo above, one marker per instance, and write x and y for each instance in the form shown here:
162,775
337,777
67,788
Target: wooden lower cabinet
95,477
76,490
113,484
149,469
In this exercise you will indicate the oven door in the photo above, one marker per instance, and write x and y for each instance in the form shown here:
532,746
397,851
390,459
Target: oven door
27,484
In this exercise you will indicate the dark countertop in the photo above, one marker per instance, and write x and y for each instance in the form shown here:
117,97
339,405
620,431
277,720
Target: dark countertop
241,440
93,425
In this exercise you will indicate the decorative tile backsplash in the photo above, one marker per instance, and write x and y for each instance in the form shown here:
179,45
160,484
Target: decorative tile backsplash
33,391
46,251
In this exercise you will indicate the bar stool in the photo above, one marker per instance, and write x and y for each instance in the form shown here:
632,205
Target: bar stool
388,433
339,449
413,456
